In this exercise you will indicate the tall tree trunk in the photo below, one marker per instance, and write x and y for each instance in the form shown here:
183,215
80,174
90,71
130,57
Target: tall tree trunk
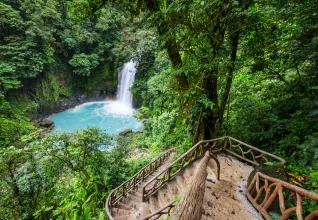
173,53
207,119
229,78
234,40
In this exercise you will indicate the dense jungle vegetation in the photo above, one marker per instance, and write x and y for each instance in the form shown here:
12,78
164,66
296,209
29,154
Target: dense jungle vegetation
208,68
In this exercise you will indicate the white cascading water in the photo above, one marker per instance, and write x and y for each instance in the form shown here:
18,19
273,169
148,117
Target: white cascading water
111,116
123,105
124,95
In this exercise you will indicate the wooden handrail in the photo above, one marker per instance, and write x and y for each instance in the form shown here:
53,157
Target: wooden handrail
194,153
166,210
122,190
262,197
163,211
225,144
238,151
222,144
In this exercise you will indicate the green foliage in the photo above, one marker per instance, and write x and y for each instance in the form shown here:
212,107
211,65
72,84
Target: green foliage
46,35
13,122
83,64
50,89
67,175
205,68
163,122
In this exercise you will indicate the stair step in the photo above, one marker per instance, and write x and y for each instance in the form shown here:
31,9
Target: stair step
188,172
163,196
173,188
123,206
132,202
137,193
119,212
125,217
153,203
144,210
181,182
131,196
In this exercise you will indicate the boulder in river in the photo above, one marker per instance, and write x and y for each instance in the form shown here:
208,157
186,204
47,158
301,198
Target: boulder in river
125,132
46,123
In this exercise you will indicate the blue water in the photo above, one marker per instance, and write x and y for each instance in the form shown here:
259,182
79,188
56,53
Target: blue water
110,116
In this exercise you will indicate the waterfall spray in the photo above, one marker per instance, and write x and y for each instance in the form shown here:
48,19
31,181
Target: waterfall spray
124,94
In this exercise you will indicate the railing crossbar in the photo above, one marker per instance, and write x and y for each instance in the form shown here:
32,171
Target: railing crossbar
121,191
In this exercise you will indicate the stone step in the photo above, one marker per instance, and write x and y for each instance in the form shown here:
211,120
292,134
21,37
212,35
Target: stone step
125,217
153,203
173,188
144,210
188,172
137,193
119,212
124,206
181,182
164,197
134,197
131,202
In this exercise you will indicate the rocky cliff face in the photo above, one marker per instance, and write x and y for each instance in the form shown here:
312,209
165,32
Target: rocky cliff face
65,103
45,109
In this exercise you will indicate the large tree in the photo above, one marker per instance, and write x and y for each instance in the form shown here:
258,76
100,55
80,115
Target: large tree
201,39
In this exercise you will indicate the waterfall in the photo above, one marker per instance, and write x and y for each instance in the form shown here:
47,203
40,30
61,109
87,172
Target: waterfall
124,95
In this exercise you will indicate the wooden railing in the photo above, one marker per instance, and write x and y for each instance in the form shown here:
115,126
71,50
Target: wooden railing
226,144
194,153
122,190
249,153
166,210
265,190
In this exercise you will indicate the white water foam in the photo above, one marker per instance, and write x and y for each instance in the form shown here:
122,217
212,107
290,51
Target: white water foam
124,94
117,108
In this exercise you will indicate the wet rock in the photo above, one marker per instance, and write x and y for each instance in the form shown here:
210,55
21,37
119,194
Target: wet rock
125,132
46,123
275,171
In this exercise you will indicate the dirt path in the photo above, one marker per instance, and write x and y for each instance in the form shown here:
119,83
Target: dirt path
225,199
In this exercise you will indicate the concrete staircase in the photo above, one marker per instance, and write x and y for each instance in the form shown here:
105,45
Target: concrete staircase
224,199
131,206
153,192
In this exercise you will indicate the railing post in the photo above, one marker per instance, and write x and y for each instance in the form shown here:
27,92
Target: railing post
143,194
123,190
134,183
169,176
